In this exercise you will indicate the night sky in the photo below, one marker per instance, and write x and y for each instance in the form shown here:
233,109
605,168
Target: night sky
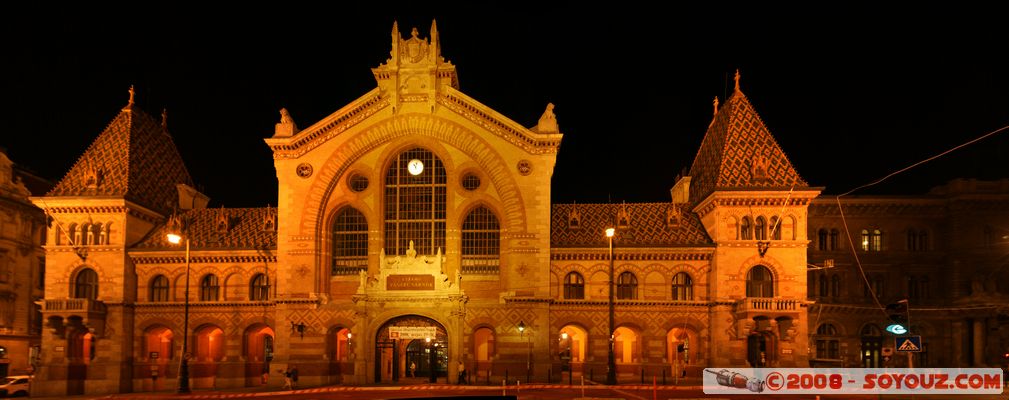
850,93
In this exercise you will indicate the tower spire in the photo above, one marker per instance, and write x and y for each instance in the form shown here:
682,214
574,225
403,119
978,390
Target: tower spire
435,45
164,119
129,106
737,81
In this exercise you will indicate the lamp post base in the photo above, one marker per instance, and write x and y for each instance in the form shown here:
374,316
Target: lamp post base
183,377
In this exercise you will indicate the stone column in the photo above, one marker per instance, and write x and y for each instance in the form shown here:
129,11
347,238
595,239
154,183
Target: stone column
979,342
957,339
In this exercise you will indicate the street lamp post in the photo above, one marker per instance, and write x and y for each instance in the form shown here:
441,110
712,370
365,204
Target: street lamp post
611,361
907,309
175,236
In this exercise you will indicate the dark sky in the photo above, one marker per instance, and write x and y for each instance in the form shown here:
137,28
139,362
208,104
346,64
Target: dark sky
851,92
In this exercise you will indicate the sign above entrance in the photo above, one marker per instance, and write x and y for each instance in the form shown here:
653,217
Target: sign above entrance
412,332
410,282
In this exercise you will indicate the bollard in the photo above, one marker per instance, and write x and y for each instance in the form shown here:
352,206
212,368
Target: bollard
655,389
504,388
592,377
583,386
663,377
642,375
550,377
506,375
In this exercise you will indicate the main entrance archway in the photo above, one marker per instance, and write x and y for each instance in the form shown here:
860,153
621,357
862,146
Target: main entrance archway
411,346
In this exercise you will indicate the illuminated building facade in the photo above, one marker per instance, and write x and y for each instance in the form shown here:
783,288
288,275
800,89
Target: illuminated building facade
414,231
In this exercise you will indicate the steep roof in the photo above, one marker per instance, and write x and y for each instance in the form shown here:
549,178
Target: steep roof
647,226
245,230
739,152
134,157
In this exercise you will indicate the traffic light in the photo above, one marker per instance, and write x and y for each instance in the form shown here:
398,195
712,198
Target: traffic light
897,313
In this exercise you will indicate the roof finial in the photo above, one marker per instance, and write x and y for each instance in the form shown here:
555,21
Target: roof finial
715,103
737,80
164,119
129,106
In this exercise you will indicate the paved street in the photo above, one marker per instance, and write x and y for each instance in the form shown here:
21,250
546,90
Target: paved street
533,392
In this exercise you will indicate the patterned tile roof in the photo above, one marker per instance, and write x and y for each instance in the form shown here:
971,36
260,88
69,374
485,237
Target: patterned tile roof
133,157
245,229
739,152
648,225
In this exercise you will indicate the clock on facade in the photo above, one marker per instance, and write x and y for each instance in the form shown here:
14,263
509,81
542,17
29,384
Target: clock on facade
415,167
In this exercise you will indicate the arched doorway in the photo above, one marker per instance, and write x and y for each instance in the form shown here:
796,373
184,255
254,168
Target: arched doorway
483,352
157,350
572,341
258,353
80,353
340,362
682,350
411,340
207,350
872,346
626,350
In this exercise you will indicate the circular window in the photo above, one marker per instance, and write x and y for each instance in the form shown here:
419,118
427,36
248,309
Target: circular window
470,181
304,170
358,182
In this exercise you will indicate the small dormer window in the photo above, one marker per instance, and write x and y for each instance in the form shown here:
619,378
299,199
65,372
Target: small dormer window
221,221
269,220
673,216
623,217
574,218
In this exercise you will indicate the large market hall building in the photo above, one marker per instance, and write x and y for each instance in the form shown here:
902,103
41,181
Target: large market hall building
414,230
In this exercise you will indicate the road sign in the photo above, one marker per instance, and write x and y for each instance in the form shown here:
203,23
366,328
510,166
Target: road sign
908,344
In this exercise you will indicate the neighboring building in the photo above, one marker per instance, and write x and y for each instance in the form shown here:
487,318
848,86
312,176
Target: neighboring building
414,227
22,271
946,253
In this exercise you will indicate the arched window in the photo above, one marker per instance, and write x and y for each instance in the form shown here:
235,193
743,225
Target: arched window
834,234
877,285
209,288
86,284
821,239
912,240
745,229
86,235
627,286
827,344
683,287
923,240
823,285
775,228
350,242
865,240
759,282
106,231
574,286
415,196
259,289
96,234
835,285
75,235
760,229
481,242
159,289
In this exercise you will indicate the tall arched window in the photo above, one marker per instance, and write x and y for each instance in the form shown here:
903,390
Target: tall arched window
823,285
106,231
745,229
574,286
775,228
75,236
627,286
821,239
923,240
759,282
760,229
481,242
865,240
834,234
87,235
86,284
683,287
259,288
415,196
209,288
159,289
835,285
350,242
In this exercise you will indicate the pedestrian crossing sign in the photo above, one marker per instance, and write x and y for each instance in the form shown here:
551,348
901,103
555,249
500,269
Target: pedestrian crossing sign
908,344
